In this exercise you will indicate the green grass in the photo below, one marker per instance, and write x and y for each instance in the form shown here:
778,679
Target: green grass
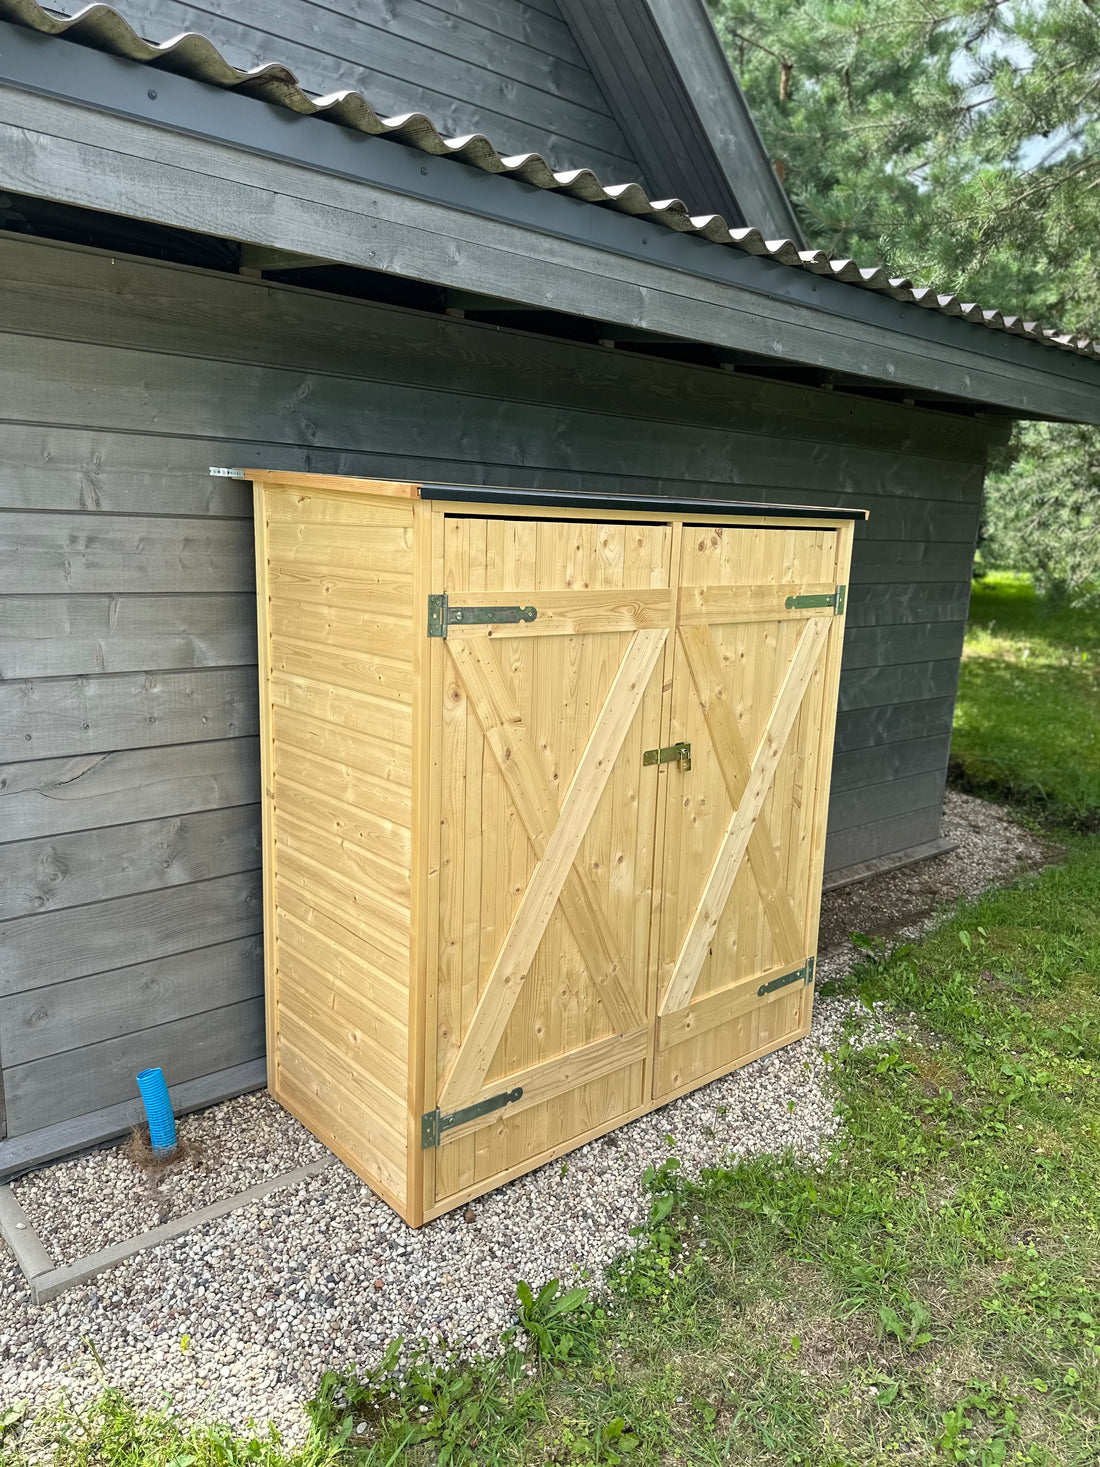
1027,724
929,1294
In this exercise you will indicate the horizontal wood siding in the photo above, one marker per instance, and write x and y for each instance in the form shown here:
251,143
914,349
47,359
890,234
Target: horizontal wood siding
506,68
337,690
128,707
67,1016
50,1090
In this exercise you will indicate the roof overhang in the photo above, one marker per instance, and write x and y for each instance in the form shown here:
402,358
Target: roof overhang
82,127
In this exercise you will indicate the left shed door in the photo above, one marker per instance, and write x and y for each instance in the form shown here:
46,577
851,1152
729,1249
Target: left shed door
548,826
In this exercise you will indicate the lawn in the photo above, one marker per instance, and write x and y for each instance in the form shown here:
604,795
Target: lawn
1027,723
928,1294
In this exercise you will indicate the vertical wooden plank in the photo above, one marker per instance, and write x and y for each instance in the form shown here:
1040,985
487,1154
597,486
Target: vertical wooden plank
826,735
424,909
459,934
425,1161
673,569
271,995
821,560
774,646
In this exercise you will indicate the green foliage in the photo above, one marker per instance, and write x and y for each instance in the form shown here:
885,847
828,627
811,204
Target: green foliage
111,1431
559,1324
998,1408
582,1442
414,1409
961,141
12,1415
958,144
648,1271
1027,721
909,1330
1043,512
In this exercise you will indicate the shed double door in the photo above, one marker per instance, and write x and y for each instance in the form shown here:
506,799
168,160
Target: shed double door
620,920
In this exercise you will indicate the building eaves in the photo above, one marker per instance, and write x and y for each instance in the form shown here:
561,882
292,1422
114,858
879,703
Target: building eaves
196,57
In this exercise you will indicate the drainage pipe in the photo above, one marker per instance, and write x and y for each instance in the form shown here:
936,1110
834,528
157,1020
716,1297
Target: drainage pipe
158,1107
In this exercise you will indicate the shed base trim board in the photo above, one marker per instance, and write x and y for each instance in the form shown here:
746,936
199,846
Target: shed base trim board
865,870
47,1281
21,1153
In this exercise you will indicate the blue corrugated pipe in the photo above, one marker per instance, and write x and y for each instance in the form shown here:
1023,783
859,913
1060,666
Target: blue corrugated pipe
158,1107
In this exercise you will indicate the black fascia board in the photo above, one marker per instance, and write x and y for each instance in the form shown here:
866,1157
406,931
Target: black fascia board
56,67
634,503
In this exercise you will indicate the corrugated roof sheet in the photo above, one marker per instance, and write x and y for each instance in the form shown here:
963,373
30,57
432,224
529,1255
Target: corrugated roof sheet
195,56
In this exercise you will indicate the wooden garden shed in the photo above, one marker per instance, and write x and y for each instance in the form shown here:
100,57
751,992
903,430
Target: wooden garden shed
493,930
522,244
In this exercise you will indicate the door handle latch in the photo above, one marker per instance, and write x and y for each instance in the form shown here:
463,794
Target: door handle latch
671,754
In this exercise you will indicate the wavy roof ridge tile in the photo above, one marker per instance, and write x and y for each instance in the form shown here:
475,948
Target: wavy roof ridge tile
196,56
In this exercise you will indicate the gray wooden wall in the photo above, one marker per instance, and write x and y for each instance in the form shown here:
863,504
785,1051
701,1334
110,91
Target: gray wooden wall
129,862
508,68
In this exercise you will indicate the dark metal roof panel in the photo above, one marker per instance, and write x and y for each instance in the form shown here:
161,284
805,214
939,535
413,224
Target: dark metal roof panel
194,56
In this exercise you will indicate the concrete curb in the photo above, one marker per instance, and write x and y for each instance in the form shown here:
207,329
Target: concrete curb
47,1280
21,1238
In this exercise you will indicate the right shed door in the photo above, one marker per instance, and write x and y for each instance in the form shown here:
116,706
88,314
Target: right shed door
756,667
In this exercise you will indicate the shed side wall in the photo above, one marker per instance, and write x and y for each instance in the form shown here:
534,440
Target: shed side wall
129,832
337,710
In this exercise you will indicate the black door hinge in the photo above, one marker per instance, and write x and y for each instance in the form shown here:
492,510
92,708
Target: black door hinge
441,615
806,603
433,1125
805,974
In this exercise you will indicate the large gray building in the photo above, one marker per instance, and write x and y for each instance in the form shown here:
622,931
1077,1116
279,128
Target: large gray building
452,270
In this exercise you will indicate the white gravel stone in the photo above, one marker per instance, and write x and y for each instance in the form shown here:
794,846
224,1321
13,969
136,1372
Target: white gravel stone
102,1197
325,1275
272,1295
991,848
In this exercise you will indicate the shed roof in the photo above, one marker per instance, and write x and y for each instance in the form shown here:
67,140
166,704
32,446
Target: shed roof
197,57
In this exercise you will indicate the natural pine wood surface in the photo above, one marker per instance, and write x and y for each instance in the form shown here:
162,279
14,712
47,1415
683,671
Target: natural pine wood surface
477,884
335,580
750,693
552,957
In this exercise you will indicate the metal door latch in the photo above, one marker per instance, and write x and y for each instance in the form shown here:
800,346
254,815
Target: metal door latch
806,603
433,1125
441,615
672,754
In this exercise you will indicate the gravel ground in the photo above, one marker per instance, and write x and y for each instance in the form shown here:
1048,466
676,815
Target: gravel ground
103,1196
991,849
324,1274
